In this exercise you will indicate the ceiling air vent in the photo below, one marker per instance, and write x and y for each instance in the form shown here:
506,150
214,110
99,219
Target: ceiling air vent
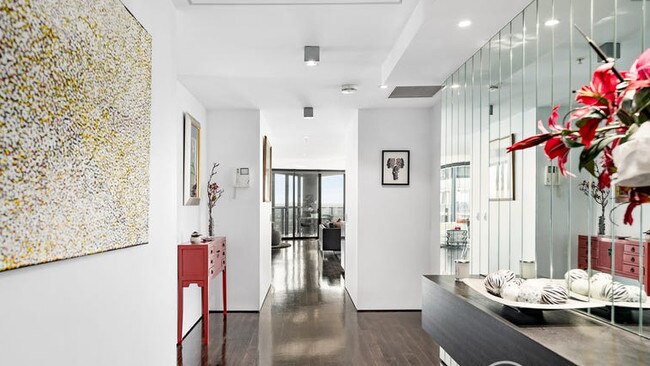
426,91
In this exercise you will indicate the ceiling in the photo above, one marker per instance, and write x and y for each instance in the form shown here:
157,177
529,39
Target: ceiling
251,56
317,143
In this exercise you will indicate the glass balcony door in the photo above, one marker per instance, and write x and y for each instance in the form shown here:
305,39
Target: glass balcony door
298,199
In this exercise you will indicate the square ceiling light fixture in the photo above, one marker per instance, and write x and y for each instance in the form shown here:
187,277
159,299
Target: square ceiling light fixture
312,55
308,112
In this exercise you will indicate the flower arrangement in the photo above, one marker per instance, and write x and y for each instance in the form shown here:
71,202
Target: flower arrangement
214,193
613,124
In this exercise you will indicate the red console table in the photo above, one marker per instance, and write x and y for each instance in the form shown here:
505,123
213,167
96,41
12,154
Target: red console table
628,263
198,263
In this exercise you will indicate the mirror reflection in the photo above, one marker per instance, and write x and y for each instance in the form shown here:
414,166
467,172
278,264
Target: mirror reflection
560,227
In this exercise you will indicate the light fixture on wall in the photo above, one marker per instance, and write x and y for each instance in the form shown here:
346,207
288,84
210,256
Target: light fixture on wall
464,23
551,22
455,86
312,55
383,86
348,89
308,112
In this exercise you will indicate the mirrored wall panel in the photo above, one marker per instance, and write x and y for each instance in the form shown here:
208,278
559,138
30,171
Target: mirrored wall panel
516,211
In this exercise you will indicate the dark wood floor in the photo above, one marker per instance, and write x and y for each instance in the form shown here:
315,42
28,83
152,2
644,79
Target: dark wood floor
308,319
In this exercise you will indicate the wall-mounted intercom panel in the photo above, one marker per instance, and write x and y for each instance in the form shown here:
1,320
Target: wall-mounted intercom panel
551,176
242,178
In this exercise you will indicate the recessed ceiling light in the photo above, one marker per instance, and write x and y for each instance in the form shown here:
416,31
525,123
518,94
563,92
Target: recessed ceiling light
464,23
308,112
348,88
312,55
455,86
551,22
383,86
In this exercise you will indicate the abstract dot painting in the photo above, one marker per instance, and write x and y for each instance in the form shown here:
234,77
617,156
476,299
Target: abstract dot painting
75,110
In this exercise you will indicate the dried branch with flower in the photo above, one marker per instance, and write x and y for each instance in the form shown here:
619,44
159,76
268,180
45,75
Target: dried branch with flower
613,122
600,196
214,193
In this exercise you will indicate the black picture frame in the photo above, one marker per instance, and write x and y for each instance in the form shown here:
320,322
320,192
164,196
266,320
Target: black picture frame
392,176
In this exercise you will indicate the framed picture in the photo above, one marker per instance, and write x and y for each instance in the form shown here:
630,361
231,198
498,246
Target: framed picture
395,166
191,161
501,170
76,136
267,160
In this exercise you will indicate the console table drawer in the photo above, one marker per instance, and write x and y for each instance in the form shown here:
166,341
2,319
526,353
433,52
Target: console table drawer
630,259
630,248
630,270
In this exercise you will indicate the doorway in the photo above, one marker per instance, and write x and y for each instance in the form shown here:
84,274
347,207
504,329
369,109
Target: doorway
304,199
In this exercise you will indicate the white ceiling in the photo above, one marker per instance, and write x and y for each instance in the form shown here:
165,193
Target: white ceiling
251,56
317,143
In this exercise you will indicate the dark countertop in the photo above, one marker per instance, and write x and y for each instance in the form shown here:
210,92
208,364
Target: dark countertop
578,338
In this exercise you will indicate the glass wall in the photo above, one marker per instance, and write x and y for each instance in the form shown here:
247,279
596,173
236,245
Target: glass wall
517,209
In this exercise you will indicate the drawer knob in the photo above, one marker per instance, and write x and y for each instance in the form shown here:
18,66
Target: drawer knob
632,269
632,259
633,249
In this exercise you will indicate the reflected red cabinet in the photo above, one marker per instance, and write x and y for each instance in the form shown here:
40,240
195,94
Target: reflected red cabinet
198,264
627,261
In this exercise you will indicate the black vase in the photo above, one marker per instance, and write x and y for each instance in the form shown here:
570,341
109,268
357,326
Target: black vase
601,225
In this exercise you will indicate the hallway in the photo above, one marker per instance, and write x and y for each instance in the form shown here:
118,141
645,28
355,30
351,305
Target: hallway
308,319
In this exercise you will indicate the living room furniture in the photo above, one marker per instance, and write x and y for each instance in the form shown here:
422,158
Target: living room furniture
198,264
329,238
475,330
626,257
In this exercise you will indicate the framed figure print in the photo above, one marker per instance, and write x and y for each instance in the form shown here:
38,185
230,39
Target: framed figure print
395,166
501,170
267,159
191,161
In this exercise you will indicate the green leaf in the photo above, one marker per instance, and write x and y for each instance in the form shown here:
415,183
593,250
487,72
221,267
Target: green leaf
593,114
641,101
590,166
625,117
597,146
571,143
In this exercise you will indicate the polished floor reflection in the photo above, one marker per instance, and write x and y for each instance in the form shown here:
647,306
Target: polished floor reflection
308,319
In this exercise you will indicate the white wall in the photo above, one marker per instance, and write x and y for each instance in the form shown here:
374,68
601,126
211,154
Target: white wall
434,163
115,308
394,222
265,216
233,140
349,249
191,218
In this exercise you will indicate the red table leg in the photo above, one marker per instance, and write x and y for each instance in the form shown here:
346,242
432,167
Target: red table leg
206,314
225,306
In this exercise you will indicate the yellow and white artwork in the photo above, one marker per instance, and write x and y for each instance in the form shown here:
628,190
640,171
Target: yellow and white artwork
75,109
